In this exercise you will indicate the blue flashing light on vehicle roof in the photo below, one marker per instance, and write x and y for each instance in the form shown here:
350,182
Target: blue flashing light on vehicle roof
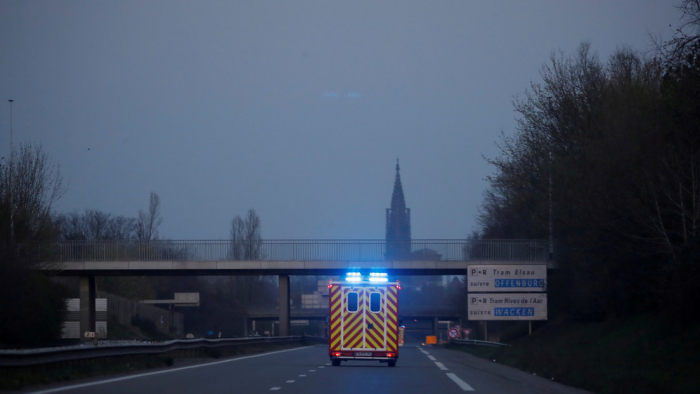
353,277
378,277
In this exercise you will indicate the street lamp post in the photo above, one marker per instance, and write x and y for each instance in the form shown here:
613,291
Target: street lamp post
551,170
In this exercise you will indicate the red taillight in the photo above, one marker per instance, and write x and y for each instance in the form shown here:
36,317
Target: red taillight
329,286
390,354
337,354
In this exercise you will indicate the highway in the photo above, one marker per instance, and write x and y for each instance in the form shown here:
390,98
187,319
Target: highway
420,369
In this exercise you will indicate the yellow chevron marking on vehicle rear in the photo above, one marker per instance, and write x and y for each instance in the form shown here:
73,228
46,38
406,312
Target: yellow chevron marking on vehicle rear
376,339
392,298
335,343
352,328
355,342
353,333
336,313
372,342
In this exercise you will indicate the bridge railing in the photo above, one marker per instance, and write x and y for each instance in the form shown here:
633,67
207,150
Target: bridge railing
298,250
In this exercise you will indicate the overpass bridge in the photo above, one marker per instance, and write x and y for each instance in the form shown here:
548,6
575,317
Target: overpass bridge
88,259
429,317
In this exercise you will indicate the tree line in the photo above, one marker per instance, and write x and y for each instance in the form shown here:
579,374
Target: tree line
606,156
33,304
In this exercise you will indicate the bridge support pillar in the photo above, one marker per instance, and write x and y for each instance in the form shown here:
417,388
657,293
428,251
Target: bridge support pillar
87,306
284,305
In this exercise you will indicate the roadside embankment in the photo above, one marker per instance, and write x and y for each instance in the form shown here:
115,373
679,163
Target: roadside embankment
639,354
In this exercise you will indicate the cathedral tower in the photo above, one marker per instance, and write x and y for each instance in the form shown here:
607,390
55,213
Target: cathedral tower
398,224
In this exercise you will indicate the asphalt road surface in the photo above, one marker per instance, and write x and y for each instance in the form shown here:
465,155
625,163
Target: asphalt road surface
420,369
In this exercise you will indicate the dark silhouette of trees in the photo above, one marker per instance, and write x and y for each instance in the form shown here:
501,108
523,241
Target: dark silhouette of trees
147,223
618,145
246,244
32,305
246,241
95,225
685,37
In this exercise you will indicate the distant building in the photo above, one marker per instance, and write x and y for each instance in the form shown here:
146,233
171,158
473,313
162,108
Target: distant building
398,224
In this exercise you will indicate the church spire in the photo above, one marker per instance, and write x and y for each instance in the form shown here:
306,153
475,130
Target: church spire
398,223
398,202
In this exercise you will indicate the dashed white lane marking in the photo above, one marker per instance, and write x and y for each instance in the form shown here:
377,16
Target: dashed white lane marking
302,376
290,381
321,366
328,363
275,388
76,386
461,383
312,370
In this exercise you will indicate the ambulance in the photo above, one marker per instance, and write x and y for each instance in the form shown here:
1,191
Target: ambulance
364,319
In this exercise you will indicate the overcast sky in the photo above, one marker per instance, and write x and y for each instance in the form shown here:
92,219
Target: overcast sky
297,109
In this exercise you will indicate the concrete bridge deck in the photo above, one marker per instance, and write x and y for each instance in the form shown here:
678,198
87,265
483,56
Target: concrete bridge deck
263,267
88,259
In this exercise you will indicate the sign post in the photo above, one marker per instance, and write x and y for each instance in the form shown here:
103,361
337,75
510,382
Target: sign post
507,292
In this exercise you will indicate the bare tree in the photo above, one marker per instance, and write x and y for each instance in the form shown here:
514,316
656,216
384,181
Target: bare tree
95,225
29,187
147,223
684,37
237,238
32,305
252,235
246,241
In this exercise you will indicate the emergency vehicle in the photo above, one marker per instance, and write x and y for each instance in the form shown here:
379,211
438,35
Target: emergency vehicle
364,319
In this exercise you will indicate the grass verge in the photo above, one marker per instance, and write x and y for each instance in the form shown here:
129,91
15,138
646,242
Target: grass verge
641,354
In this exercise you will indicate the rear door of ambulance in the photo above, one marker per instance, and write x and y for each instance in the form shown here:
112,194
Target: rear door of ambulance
364,324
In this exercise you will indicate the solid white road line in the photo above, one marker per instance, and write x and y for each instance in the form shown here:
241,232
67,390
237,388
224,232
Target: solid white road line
441,366
461,383
76,386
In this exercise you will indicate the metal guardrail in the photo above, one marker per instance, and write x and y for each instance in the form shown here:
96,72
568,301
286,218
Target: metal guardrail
33,357
475,342
293,250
